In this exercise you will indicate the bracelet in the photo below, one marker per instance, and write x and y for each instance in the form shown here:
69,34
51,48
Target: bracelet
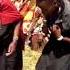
60,38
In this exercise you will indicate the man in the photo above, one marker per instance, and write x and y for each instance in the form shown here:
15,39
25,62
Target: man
58,48
62,51
9,17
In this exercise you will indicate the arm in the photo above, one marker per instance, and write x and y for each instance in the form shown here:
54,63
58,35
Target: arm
13,44
16,32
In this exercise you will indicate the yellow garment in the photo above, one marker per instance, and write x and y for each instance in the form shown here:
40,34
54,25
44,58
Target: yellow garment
33,4
30,58
26,10
29,15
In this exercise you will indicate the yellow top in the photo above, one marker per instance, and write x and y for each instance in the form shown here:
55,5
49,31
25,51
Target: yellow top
33,4
29,14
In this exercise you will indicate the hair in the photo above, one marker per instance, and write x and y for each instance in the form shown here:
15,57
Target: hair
50,9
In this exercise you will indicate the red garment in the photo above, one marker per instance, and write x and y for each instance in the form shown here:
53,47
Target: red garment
8,12
25,9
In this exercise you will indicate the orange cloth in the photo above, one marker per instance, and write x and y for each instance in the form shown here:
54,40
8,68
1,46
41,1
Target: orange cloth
25,9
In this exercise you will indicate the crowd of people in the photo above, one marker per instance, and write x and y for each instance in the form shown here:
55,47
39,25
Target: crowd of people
41,24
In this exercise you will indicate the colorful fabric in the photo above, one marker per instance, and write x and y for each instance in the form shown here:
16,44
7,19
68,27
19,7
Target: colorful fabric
28,13
30,5
8,12
33,4
29,16
25,9
26,27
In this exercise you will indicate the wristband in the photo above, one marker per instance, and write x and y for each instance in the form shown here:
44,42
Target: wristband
60,38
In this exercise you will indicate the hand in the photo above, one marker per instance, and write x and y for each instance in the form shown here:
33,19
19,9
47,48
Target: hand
55,29
11,49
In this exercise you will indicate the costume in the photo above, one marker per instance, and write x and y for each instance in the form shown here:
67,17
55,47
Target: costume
33,22
9,17
28,14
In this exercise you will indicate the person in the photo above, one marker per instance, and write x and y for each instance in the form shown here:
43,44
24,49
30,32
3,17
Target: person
27,14
33,22
9,17
56,54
